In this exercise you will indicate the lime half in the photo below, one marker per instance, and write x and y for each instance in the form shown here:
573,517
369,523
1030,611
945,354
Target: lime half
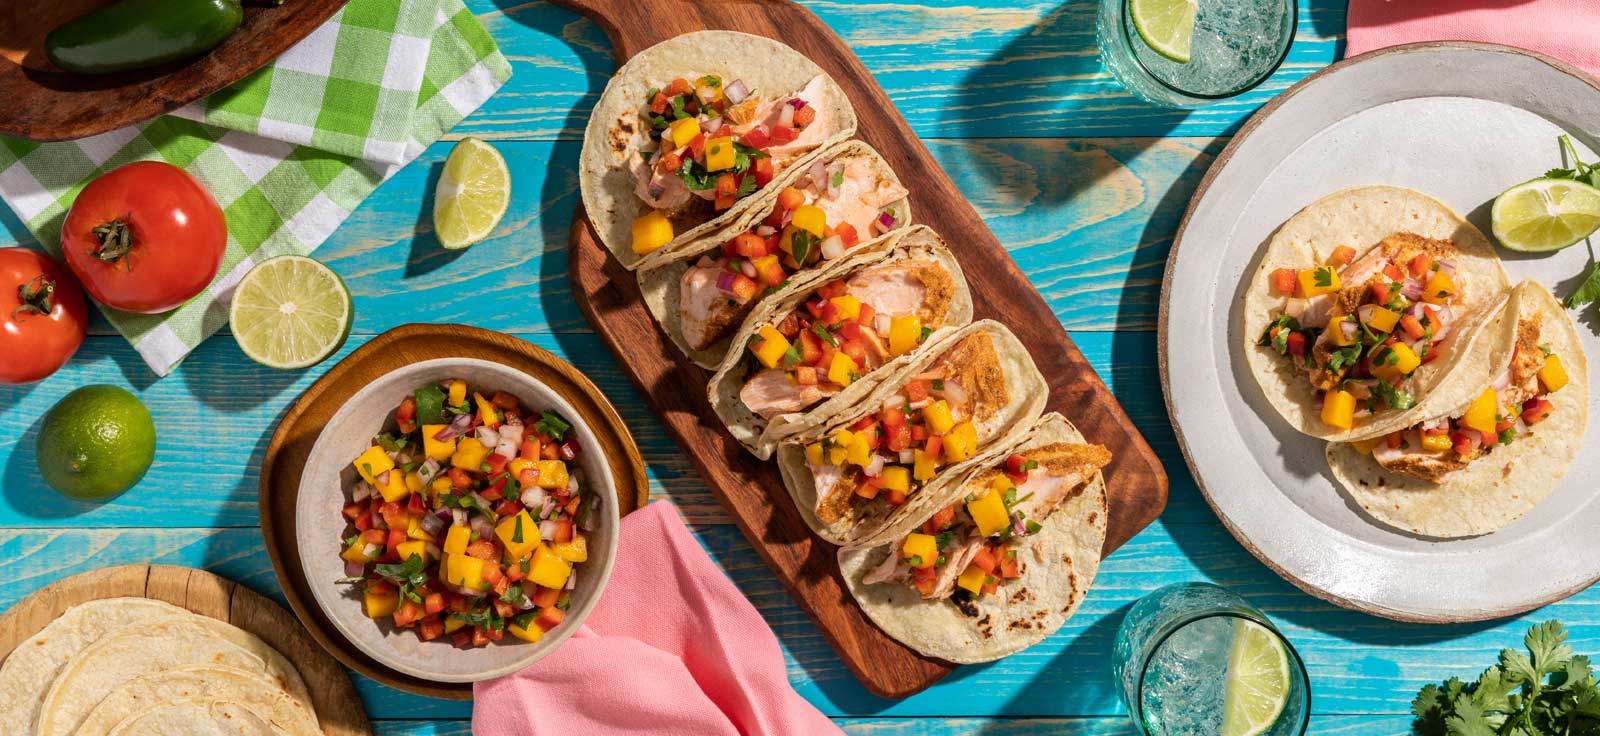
1545,214
1258,680
472,195
1167,25
290,312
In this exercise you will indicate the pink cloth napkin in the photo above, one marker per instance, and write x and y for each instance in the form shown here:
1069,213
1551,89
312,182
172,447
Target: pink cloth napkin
1566,29
671,648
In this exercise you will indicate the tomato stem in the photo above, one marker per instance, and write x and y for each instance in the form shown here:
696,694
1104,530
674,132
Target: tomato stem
35,296
116,241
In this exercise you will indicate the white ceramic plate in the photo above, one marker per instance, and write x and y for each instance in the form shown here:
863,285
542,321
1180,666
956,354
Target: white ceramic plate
319,525
1461,122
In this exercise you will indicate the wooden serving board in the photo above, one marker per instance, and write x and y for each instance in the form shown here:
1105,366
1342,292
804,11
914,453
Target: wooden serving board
302,423
338,708
751,490
47,104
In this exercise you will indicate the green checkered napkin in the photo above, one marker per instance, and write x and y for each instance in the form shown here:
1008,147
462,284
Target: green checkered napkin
288,152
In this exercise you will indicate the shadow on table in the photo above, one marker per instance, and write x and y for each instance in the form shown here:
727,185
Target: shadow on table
1063,684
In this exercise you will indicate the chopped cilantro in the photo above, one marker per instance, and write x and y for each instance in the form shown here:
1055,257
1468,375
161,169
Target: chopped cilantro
553,426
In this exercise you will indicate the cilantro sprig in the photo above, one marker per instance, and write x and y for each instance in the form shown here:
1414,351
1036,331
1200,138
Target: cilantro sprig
1546,692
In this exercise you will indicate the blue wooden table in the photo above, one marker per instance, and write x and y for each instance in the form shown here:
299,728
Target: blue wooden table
1084,184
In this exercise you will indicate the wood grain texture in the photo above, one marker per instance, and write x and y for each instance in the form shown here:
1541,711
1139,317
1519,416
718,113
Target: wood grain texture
48,104
208,595
298,430
750,489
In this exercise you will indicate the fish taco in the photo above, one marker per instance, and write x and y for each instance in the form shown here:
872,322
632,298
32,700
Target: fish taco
1484,463
815,346
1362,305
834,207
1006,556
861,473
690,131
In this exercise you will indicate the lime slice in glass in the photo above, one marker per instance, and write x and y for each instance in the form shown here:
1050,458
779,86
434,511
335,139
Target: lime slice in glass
1545,214
1167,25
472,195
1258,680
290,312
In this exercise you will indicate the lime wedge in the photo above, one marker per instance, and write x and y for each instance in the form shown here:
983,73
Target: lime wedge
1545,214
473,194
1167,25
290,312
1258,680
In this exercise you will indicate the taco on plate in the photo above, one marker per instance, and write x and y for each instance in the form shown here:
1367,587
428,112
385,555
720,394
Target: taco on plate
1482,464
1002,562
1361,307
933,414
691,130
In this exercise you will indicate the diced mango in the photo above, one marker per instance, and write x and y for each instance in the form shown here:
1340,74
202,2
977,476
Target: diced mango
719,154
836,455
1439,289
1392,361
517,465
576,550
842,370
486,409
1001,484
1438,442
1382,320
810,218
651,230
1339,409
895,478
1480,414
923,466
414,482
519,533
372,463
1318,281
440,485
814,454
414,547
356,552
770,346
848,307
464,571
1553,375
989,513
1365,446
859,451
921,549
1336,331
439,450
547,569
457,395
905,333
961,442
552,474
395,489
414,529
456,539
683,130
380,604
972,579
469,454
453,624
937,416
533,634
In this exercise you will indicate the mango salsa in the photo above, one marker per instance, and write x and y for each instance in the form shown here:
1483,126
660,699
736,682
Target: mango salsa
719,154
1438,442
1382,320
972,579
458,393
923,466
414,547
842,370
395,489
859,451
651,230
1336,331
547,569
1339,409
372,463
552,474
810,218
456,539
1365,446
519,534
921,549
414,529
937,415
469,454
989,513
848,307
770,346
1553,375
1318,281
961,442
1480,414
814,454
464,571
576,550
1392,361
437,449
356,552
896,478
1439,288
683,130
905,333
378,604
533,634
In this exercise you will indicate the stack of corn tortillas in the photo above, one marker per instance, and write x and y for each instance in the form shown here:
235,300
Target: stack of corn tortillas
130,666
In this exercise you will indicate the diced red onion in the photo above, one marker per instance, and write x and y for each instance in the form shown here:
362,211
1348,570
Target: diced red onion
434,553
361,491
712,125
786,116
766,231
918,404
572,579
885,222
471,592
482,526
354,570
875,467
512,433
547,529
383,478
429,470
748,269
1358,389
572,484
907,456
736,91
1349,329
818,174
832,247
431,523
548,508
458,427
393,455
1411,289
507,448
533,497
796,103
458,517
656,189
371,550
487,437
725,282
1018,528
833,189
378,522
591,514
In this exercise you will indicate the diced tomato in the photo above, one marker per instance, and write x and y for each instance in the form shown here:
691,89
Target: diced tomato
892,417
935,446
430,629
496,490
896,498
548,450
530,449
1380,292
363,522
514,571
1008,567
572,506
749,245
408,613
781,135
804,116
697,147
563,531
659,103
790,198
543,597
352,511
507,508
866,316
770,272
923,578
897,438
406,415
791,325
1393,272
940,519
744,288
1016,464
1489,439
1285,280
493,575
433,603
391,546
1504,424
918,433
416,505
569,450
496,462
1412,327
986,559
774,219
528,477
482,549
1343,255
990,587
863,423
379,537
679,86
806,375
847,234
462,638
504,609
480,636
853,331
917,389
1535,410
394,515
1296,342
828,313
1466,441
856,349
459,478
869,487
669,162
1392,440
1420,265
756,138
761,169
550,617
810,347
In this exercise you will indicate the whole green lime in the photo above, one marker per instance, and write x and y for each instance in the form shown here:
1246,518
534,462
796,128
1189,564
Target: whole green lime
95,443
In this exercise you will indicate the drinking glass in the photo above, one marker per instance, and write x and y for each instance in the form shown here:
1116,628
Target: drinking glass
1236,45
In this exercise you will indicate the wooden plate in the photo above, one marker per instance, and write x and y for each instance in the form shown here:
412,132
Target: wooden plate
338,708
751,490
298,430
1460,122
51,105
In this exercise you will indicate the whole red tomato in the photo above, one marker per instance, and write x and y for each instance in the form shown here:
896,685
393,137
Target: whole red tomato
43,320
145,237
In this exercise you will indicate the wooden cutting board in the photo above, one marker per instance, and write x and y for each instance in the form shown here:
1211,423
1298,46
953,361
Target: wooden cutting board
338,708
751,490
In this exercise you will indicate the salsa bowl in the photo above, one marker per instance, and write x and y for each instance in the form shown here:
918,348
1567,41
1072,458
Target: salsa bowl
320,528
